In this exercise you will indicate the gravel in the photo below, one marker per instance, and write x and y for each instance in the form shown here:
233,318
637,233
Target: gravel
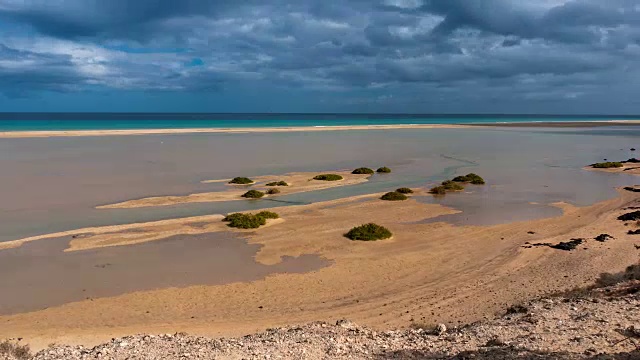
603,326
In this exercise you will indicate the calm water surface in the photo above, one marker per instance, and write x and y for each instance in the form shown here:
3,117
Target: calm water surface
53,184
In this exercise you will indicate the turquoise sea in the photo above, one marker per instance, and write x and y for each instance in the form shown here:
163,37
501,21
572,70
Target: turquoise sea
127,121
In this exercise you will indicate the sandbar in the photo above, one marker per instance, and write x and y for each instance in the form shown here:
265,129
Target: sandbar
298,182
559,124
129,132
627,168
74,133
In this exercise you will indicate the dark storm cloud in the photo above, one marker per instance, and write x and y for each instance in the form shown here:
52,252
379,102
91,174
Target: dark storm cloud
24,70
347,46
79,18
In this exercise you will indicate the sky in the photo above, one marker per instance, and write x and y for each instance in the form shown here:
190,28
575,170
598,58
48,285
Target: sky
397,56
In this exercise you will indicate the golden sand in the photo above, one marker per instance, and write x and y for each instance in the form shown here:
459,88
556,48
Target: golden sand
427,273
70,133
73,133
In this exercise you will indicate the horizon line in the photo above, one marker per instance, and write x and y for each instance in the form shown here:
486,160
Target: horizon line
298,113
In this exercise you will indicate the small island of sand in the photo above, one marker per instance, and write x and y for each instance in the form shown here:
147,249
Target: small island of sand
631,166
296,183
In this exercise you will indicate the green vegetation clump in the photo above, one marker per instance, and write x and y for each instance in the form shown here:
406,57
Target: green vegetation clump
268,215
363,171
607,165
253,194
394,196
472,178
273,191
368,232
452,186
232,217
328,177
278,183
249,221
455,184
241,181
405,190
384,170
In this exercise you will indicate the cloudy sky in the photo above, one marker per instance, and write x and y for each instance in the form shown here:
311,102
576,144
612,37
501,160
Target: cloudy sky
411,56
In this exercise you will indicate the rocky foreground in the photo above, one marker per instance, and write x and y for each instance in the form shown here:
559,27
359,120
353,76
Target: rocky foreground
603,324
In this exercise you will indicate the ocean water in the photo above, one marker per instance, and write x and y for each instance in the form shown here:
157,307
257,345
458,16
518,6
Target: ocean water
54,184
128,121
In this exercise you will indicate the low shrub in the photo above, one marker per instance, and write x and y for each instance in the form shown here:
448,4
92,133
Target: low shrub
268,215
452,186
383,170
438,190
328,177
253,194
472,178
405,190
241,181
394,196
368,232
278,183
362,171
233,216
607,165
273,191
249,221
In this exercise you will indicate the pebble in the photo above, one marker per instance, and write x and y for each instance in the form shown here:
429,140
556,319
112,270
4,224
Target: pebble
556,330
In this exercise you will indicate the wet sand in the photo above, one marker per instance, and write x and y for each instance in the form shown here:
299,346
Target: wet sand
43,275
297,183
427,273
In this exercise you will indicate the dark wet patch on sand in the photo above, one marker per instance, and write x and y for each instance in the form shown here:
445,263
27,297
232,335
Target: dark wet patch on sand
200,224
40,275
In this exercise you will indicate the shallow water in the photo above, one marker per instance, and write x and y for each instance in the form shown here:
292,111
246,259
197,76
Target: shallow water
40,275
53,184
123,121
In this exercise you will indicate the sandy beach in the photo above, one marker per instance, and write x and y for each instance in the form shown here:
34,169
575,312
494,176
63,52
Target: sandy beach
319,180
80,133
427,272
561,124
74,133
455,260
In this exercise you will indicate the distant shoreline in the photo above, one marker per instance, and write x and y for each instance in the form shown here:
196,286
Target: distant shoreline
128,132
239,130
560,124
